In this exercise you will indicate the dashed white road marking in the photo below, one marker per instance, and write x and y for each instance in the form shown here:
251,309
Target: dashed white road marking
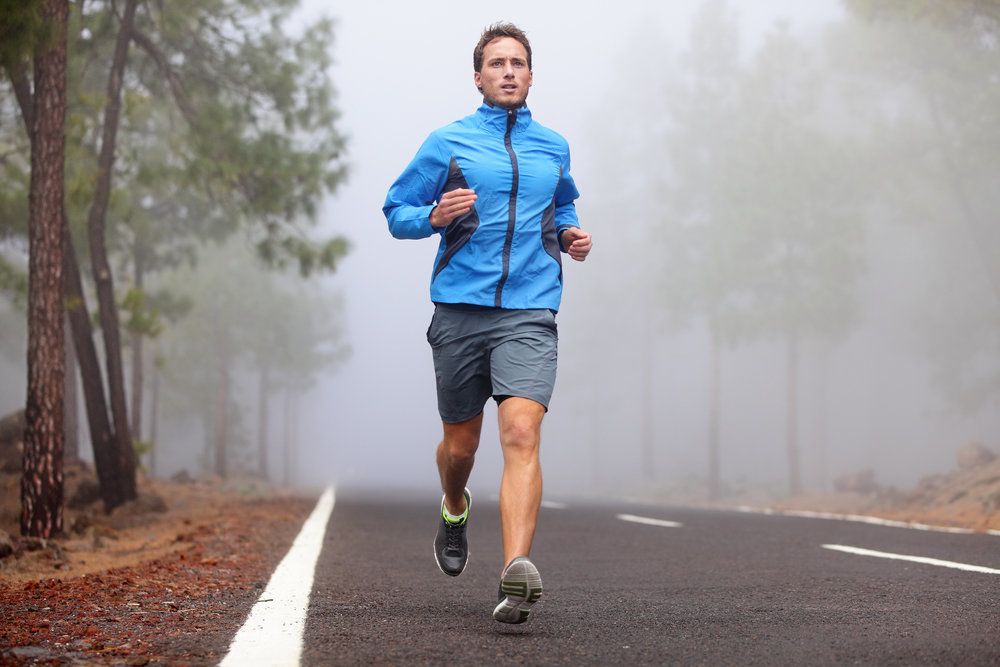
272,634
864,518
914,559
554,505
650,521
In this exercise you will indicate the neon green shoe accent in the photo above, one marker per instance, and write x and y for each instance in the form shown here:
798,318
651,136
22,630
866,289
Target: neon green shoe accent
461,518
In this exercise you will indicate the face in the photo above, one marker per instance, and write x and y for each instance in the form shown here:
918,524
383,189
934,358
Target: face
505,77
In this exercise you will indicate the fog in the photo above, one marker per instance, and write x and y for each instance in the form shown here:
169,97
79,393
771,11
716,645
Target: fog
846,238
403,70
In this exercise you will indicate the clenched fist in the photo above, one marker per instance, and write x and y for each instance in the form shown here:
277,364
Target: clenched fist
451,205
577,243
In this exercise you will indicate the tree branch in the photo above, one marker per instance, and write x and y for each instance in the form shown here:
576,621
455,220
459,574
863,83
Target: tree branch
25,98
176,88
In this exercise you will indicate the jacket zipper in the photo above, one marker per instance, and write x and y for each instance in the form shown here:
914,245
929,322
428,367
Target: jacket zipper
512,207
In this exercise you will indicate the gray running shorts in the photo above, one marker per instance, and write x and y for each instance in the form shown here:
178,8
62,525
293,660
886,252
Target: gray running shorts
481,352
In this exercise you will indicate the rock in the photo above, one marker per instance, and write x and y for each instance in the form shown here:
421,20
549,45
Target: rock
81,523
135,512
31,652
12,427
974,455
992,502
87,491
6,544
150,502
927,490
862,482
33,543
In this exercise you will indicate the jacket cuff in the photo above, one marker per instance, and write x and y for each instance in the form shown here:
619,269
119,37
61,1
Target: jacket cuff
559,235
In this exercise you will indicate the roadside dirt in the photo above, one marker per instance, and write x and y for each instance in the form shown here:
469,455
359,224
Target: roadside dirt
166,580
966,497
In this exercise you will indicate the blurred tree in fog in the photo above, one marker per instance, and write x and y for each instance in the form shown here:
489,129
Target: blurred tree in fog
216,119
706,264
248,328
799,203
763,230
934,74
621,207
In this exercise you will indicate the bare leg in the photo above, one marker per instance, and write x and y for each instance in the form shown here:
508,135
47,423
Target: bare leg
521,485
455,456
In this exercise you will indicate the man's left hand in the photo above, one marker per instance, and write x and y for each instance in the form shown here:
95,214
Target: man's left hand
577,243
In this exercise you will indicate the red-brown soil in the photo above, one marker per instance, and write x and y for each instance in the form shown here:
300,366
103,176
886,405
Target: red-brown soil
966,497
144,586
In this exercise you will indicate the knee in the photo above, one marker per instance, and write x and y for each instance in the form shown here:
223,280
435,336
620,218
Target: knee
520,435
461,449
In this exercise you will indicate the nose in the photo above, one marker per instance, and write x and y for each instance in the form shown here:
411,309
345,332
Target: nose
508,70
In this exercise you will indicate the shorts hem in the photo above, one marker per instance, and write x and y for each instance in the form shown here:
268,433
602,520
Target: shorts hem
449,420
499,398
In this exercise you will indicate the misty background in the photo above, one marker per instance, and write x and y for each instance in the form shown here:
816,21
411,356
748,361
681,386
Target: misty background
782,196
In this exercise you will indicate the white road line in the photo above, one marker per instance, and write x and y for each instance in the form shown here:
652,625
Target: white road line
648,521
864,518
554,505
914,559
272,634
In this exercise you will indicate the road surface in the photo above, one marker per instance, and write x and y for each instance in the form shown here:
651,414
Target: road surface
720,588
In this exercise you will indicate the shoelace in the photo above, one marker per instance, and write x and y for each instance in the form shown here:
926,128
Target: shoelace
454,534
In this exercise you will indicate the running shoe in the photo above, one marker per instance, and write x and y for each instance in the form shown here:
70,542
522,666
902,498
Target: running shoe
451,546
520,587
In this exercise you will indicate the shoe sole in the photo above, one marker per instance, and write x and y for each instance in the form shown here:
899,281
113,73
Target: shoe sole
522,586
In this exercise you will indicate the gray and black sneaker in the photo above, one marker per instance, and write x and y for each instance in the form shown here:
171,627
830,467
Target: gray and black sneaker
520,587
451,546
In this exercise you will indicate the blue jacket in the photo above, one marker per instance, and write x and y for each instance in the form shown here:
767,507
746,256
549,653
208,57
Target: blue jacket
505,252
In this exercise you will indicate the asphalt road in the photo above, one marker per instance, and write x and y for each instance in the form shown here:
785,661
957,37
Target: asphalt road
724,588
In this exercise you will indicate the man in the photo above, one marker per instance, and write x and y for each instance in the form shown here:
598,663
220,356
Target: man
496,187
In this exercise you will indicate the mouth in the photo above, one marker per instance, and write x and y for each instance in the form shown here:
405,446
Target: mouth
509,88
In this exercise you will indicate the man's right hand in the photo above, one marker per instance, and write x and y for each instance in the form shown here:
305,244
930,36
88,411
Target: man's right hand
451,205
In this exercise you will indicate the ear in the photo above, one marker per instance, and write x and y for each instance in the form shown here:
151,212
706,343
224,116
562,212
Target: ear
477,79
531,78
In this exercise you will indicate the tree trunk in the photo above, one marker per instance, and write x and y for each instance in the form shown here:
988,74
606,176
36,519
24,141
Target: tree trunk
71,411
289,437
792,424
822,418
154,416
647,459
102,438
222,413
137,356
594,432
262,424
42,479
110,329
714,389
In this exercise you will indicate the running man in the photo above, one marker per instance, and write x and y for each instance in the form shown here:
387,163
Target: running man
496,187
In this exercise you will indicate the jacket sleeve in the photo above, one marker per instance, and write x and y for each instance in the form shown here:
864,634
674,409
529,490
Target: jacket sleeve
411,198
566,195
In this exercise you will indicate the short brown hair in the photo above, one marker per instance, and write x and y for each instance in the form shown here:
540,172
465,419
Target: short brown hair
496,31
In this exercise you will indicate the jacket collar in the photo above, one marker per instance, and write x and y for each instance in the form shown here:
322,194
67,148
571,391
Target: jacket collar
494,118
